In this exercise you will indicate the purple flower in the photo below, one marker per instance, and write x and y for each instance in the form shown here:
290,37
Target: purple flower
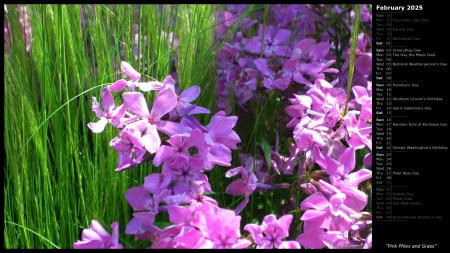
139,197
220,229
286,164
220,130
300,107
130,71
243,186
181,144
275,77
331,208
111,113
307,135
165,101
312,238
185,171
194,197
142,226
339,171
272,232
246,85
96,237
127,146
155,85
231,61
273,42
188,95
219,139
310,60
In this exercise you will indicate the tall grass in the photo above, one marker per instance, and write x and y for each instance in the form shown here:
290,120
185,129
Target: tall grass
58,174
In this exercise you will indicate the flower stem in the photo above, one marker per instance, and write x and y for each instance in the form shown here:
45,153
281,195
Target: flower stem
352,55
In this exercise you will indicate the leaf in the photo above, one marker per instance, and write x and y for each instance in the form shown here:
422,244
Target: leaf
162,224
265,148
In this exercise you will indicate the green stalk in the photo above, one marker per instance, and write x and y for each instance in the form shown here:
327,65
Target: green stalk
351,66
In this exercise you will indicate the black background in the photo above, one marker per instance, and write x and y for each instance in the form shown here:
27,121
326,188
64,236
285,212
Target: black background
431,186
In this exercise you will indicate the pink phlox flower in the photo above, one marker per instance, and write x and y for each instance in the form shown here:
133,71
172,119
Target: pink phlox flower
246,85
150,122
301,104
168,82
96,237
110,114
306,134
220,229
272,232
230,61
220,130
284,14
306,24
244,185
340,171
181,145
184,171
285,164
330,209
188,95
194,197
130,149
219,139
121,84
278,75
142,226
273,42
230,19
310,59
325,213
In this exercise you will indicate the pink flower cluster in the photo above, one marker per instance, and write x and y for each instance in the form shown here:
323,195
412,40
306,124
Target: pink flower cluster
292,63
170,137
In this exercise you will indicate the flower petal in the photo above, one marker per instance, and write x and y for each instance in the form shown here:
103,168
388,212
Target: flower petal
190,94
152,85
152,183
312,239
138,197
348,159
163,153
115,234
118,86
165,101
281,36
135,103
107,100
262,66
151,139
99,126
316,201
236,188
96,108
98,228
289,245
253,46
130,71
